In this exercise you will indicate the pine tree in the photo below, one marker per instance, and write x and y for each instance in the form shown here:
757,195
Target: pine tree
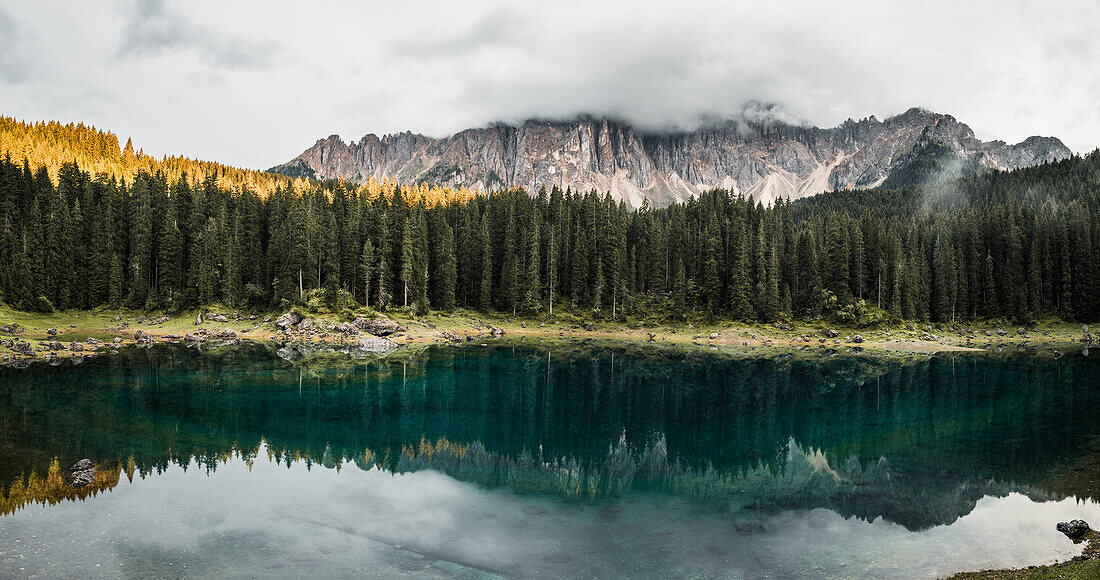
366,269
741,306
485,286
407,265
447,274
169,256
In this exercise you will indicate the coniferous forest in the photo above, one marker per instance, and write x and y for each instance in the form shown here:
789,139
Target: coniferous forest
1015,245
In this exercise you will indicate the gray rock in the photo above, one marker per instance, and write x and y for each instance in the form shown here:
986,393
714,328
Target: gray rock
1073,529
287,320
82,465
305,324
81,473
142,337
830,333
379,326
51,332
377,345
345,328
857,338
223,333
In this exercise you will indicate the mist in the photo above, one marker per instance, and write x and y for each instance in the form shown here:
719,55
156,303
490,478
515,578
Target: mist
254,84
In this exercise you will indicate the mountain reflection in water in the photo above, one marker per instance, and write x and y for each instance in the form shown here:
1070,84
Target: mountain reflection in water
917,442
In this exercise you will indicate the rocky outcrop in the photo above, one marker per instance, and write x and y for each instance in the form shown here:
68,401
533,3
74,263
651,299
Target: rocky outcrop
754,154
378,326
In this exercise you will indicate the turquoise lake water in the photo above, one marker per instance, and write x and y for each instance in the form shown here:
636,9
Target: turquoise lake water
559,461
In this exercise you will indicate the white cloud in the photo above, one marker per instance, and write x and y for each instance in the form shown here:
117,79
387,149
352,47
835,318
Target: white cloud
254,83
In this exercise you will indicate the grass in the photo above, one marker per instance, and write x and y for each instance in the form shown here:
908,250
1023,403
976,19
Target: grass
906,337
1073,570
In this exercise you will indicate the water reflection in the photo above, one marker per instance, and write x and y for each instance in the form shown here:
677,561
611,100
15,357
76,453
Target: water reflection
266,519
916,442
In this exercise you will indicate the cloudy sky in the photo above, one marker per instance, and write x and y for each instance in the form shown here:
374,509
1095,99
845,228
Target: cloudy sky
254,83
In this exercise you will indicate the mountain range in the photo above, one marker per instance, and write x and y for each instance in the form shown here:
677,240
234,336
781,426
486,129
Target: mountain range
756,154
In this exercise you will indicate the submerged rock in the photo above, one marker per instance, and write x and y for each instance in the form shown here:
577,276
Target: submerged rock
379,345
1073,529
81,473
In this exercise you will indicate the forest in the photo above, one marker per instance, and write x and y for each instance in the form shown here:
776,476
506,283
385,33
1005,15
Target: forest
1014,245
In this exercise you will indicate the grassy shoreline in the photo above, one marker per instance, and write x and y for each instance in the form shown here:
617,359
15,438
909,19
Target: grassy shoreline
438,327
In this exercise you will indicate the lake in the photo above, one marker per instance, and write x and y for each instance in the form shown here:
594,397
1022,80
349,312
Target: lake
536,461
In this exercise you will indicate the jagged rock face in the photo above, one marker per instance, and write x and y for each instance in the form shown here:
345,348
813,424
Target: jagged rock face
765,159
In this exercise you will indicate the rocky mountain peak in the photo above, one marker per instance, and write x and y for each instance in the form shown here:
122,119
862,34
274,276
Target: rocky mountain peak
756,153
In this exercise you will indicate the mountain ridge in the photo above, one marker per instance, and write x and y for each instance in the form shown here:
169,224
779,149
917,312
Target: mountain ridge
756,154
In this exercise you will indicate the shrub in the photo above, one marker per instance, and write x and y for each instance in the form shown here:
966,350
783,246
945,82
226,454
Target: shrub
41,305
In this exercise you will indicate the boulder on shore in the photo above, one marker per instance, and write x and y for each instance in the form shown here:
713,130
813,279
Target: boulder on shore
287,320
378,326
142,337
1074,529
830,333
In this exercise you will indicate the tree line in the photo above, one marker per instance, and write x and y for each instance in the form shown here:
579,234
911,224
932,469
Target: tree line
1017,245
